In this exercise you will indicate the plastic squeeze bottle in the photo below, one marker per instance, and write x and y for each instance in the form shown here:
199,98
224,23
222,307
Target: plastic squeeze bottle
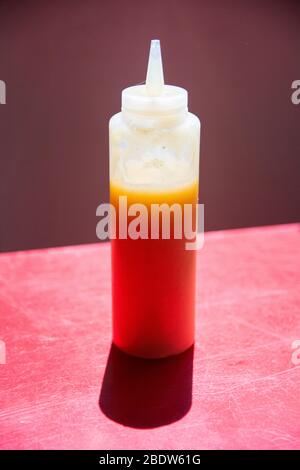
154,160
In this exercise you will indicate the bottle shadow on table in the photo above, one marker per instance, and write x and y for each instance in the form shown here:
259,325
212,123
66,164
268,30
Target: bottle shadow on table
146,393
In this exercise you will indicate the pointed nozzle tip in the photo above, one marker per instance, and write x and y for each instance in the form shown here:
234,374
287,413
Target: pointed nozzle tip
155,74
155,48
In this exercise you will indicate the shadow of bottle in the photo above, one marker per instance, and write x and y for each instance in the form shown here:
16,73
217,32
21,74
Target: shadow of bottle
146,393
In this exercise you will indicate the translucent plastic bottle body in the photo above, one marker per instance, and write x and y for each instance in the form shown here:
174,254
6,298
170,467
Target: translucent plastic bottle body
153,160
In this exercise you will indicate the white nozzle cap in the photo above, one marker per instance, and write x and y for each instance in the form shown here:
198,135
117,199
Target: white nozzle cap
154,97
155,75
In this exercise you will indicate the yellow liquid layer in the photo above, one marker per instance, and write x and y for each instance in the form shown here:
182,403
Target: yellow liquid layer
183,194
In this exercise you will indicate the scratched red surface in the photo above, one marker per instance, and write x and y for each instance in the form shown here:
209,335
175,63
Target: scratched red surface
63,386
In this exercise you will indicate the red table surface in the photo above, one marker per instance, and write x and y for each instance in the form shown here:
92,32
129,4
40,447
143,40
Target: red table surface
64,387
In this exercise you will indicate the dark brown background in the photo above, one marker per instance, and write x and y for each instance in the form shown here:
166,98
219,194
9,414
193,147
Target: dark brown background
65,64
